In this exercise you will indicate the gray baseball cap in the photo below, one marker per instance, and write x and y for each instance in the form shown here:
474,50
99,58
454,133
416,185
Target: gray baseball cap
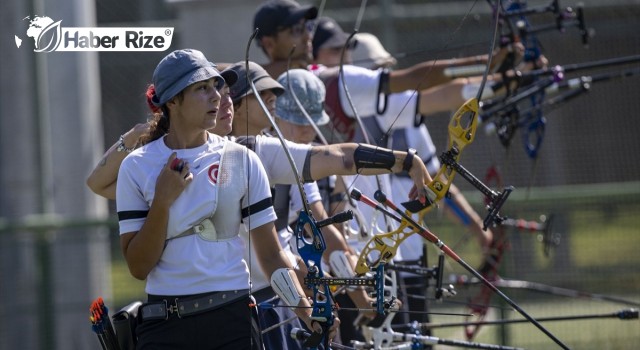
261,79
370,53
178,70
230,76
310,90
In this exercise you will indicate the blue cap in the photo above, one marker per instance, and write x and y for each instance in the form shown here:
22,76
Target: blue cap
178,70
310,90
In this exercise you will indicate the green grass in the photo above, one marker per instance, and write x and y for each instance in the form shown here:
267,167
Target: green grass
593,334
126,289
614,239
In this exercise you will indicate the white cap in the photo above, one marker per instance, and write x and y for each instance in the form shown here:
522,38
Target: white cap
369,53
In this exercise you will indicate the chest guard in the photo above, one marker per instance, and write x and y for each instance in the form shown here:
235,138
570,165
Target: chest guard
231,185
342,127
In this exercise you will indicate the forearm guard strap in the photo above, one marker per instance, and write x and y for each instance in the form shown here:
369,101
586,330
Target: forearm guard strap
340,265
283,285
371,157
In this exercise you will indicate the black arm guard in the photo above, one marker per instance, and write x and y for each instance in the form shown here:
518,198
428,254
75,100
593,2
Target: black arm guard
371,157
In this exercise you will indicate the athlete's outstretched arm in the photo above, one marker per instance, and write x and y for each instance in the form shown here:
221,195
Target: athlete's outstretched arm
102,180
354,158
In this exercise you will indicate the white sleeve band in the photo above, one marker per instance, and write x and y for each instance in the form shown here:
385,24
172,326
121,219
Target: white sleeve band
471,90
340,265
283,285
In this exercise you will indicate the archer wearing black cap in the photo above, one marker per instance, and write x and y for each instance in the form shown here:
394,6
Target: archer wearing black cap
249,118
328,41
283,24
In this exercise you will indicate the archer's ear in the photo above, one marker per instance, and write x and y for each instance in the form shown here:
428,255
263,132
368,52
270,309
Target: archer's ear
267,43
172,103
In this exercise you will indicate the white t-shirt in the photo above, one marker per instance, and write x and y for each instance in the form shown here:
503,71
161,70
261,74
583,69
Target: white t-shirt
273,157
363,85
190,264
295,204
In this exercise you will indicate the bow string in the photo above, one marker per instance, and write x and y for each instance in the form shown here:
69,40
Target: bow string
311,251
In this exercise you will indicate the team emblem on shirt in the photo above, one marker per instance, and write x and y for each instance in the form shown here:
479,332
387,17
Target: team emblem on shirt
213,173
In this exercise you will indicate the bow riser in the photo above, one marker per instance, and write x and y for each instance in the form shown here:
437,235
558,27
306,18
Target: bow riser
461,134
381,248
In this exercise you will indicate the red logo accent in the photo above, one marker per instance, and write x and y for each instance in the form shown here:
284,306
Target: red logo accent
213,173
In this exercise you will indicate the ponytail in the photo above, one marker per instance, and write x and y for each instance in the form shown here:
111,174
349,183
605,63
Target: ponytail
159,123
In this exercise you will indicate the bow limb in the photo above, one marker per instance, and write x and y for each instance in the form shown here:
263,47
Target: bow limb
292,164
463,125
363,231
311,252
479,304
365,133
359,296
533,133
361,126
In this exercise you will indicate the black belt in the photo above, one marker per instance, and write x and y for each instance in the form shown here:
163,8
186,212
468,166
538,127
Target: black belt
185,306
264,294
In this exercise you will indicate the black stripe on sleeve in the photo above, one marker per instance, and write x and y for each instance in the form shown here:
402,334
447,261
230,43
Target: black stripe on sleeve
132,214
247,141
417,117
256,207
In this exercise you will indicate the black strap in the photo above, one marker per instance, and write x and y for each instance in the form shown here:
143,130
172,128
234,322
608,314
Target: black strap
132,214
256,207
247,141
281,205
408,160
383,92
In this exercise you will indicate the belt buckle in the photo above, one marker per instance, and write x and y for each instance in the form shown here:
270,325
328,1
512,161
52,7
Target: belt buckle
172,308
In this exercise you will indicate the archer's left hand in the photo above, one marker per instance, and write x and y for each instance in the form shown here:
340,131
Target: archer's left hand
420,177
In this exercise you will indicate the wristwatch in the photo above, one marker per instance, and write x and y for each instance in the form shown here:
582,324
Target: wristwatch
122,147
408,160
